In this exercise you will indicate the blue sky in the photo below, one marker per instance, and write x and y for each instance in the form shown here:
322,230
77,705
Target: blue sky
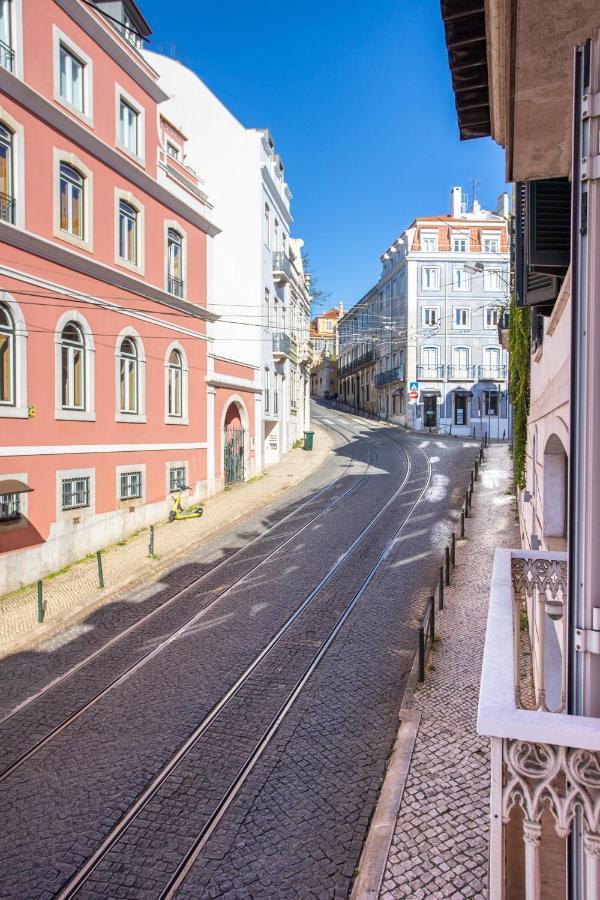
357,96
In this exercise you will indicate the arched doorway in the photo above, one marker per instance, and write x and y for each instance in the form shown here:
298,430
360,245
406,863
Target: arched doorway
555,488
233,445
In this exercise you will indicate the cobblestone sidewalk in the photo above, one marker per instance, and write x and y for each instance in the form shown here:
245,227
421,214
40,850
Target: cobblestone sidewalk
73,593
439,844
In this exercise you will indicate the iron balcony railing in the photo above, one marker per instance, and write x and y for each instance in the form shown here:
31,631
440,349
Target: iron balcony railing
461,373
175,286
7,56
7,208
282,264
430,373
396,374
492,373
282,343
357,363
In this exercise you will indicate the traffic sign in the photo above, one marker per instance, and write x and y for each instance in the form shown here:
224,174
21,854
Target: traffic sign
413,386
413,395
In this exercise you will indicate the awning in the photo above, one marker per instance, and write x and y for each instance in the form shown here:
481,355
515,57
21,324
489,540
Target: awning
13,486
464,23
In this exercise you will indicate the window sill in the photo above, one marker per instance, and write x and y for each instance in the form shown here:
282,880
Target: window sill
14,412
140,160
74,111
74,415
133,418
177,420
129,266
73,240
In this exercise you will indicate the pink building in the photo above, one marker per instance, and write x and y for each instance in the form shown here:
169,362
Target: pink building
104,382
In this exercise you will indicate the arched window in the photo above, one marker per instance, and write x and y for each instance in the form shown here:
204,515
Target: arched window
555,474
175,384
491,362
72,367
174,263
7,358
7,200
128,376
128,232
71,200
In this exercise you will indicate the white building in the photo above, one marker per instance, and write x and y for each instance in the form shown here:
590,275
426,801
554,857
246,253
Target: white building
256,281
430,325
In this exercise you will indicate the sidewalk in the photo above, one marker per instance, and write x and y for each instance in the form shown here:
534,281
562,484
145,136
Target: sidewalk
438,773
73,593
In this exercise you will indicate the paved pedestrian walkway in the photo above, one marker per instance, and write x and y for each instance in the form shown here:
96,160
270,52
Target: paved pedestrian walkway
439,846
72,593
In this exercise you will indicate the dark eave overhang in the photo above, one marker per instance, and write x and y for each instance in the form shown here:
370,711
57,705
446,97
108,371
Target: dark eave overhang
464,23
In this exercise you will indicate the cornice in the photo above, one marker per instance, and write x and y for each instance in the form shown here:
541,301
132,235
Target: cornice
73,130
229,381
85,265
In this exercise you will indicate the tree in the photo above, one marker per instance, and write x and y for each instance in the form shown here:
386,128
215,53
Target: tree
318,299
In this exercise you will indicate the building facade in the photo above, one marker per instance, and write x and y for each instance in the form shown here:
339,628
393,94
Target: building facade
535,84
323,379
259,290
324,333
430,325
359,334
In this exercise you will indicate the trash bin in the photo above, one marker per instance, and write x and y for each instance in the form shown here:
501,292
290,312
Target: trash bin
308,440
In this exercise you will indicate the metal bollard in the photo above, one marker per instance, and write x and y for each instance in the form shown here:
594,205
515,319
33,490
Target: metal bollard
462,524
151,543
481,455
466,504
447,564
470,498
441,588
40,603
476,468
100,573
471,479
432,617
421,653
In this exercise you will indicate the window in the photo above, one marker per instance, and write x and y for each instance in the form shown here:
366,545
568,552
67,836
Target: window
491,403
71,201
430,316
71,78
429,243
128,236
460,359
128,376
174,263
276,395
72,367
10,507
7,358
131,485
175,384
492,280
267,390
75,492
276,235
460,279
267,225
7,200
128,127
460,243
430,278
130,32
7,54
177,478
172,150
462,317
429,358
491,245
267,308
461,409
492,314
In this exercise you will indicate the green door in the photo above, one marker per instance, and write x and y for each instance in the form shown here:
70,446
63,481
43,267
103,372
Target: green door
234,455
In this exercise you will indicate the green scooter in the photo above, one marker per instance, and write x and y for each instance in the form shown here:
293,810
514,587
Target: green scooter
179,512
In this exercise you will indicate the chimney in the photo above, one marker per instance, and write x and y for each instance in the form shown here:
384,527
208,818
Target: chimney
455,202
502,207
341,309
476,207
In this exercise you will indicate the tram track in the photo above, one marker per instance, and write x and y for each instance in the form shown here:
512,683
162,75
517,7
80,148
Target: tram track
251,675
126,673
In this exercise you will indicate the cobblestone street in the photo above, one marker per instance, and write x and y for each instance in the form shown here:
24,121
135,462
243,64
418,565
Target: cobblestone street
224,732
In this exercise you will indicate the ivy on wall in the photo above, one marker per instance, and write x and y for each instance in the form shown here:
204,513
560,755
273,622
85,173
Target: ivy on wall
519,346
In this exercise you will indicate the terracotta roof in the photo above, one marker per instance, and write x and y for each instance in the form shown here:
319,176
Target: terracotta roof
473,228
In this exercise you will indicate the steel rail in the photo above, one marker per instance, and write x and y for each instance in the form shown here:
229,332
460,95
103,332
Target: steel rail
167,603
72,887
174,635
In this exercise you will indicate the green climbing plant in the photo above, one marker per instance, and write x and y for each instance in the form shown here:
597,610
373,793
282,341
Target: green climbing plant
519,346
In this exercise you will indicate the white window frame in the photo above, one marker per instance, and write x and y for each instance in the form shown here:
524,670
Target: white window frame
267,225
18,408
424,285
430,309
126,470
16,38
88,412
436,352
497,351
431,235
488,273
183,419
176,225
171,146
86,114
461,327
455,351
490,236
23,520
18,166
461,236
132,200
183,464
460,270
79,512
140,154
71,159
491,309
140,416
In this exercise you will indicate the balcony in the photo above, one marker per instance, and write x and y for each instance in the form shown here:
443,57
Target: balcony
545,763
7,57
285,346
175,286
390,376
359,363
283,270
492,373
430,373
461,373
